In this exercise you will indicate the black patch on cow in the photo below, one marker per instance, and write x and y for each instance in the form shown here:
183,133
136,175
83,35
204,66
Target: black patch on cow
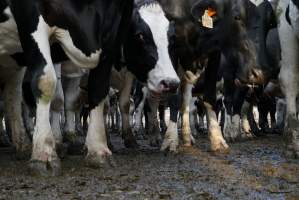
288,15
3,16
140,49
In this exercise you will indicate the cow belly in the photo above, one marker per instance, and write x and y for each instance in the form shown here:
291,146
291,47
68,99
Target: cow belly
9,38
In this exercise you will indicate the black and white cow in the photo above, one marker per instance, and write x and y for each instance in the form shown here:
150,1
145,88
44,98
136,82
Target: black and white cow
257,18
90,33
204,30
288,28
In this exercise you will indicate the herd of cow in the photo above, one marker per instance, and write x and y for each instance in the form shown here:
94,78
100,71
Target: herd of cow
59,61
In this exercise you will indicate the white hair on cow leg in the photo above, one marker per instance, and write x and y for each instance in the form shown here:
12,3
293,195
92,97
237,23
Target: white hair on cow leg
44,149
171,138
289,75
164,68
96,139
186,131
217,141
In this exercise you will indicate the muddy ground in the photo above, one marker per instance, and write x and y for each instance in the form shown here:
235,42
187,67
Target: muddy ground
254,169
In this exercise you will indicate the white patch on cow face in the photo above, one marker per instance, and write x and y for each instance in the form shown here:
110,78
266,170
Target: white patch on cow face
9,37
154,16
75,54
257,2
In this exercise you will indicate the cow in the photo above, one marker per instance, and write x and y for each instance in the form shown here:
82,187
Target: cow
90,33
288,29
203,31
259,18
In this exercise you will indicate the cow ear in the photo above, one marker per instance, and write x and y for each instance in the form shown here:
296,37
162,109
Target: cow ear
197,10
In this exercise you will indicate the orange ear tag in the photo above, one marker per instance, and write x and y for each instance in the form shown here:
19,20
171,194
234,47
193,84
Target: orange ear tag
207,20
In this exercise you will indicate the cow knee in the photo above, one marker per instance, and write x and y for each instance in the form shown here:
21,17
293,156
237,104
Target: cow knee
45,85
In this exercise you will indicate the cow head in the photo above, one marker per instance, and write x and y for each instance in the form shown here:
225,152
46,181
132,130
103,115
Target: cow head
146,49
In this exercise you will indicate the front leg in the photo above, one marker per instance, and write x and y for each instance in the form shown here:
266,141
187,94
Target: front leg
124,105
186,98
215,135
96,139
13,111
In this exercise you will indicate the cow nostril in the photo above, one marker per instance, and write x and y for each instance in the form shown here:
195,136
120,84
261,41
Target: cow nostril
164,84
169,85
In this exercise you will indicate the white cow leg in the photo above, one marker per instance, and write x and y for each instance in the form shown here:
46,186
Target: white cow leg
171,138
96,139
217,141
44,159
13,109
186,130
289,77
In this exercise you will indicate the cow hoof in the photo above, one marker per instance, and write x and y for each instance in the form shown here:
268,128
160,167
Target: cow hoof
99,159
155,142
61,150
48,168
291,137
131,143
220,147
23,155
171,145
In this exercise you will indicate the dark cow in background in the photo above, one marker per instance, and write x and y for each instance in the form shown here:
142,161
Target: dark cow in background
288,28
256,19
204,30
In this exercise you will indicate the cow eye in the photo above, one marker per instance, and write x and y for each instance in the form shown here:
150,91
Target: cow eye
140,36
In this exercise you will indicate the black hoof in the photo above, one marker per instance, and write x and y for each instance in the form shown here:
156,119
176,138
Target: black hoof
131,143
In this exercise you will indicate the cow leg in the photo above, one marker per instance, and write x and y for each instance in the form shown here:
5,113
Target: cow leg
138,126
163,127
215,135
13,110
193,117
96,139
171,138
290,84
246,130
4,139
44,159
57,108
124,105
281,113
71,95
186,130
153,124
